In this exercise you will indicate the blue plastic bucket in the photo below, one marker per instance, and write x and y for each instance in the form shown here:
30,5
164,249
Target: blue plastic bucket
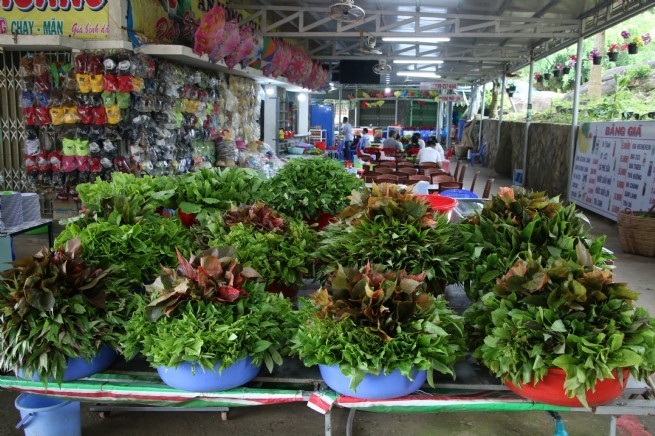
373,387
193,377
47,416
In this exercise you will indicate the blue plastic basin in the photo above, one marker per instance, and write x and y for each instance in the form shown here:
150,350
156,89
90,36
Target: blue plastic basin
192,377
373,387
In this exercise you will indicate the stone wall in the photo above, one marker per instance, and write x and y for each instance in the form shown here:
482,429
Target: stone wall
548,152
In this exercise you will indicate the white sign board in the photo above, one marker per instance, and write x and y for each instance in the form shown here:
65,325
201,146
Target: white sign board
450,97
430,86
613,167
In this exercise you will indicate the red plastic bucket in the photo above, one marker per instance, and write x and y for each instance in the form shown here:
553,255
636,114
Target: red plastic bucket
442,205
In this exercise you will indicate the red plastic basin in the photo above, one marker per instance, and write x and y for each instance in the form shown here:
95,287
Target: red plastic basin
442,205
550,390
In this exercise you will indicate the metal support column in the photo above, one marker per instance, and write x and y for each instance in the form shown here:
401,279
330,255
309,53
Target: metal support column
481,115
395,114
500,115
355,121
528,119
450,123
411,112
340,117
576,107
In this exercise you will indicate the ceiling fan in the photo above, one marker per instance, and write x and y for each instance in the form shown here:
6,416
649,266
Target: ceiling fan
368,45
382,67
346,11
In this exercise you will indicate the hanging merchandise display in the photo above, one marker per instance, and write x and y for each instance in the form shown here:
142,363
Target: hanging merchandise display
120,111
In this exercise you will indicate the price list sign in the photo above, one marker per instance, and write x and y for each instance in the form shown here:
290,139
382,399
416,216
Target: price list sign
613,167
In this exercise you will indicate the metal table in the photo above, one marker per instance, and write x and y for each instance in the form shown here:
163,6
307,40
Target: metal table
30,225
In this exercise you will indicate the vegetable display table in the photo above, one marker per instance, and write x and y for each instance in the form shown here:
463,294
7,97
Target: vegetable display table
132,384
477,391
126,387
7,234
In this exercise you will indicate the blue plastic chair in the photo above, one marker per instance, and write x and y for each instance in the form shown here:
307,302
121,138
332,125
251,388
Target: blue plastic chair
480,154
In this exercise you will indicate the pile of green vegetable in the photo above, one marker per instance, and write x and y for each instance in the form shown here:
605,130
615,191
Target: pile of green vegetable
390,226
210,309
216,189
125,191
514,223
304,188
570,315
136,250
280,249
373,322
56,306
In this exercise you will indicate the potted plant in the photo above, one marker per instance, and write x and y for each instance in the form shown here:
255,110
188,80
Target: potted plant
310,189
61,318
376,333
595,56
208,325
566,333
557,70
511,88
280,249
391,226
538,77
546,76
516,222
573,59
613,52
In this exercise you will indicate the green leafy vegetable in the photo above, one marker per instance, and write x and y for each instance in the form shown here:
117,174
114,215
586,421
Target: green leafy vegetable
565,315
389,226
136,250
371,321
55,306
218,189
516,223
209,311
279,249
304,188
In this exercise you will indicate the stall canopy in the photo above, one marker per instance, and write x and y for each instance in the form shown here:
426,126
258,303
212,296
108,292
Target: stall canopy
486,38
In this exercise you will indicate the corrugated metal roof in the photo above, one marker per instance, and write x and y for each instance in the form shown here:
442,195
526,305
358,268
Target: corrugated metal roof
487,37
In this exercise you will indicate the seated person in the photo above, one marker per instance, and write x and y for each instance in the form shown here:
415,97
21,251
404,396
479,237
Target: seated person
393,141
366,138
430,154
355,146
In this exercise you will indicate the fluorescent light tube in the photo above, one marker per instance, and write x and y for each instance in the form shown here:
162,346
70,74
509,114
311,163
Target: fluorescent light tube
424,74
413,39
418,61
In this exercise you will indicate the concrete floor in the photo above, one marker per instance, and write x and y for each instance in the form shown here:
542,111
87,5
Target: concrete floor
297,418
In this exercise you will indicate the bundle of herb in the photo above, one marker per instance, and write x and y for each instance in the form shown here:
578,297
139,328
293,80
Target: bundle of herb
516,222
139,193
304,188
280,249
55,306
390,226
372,322
217,189
136,250
210,309
569,315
